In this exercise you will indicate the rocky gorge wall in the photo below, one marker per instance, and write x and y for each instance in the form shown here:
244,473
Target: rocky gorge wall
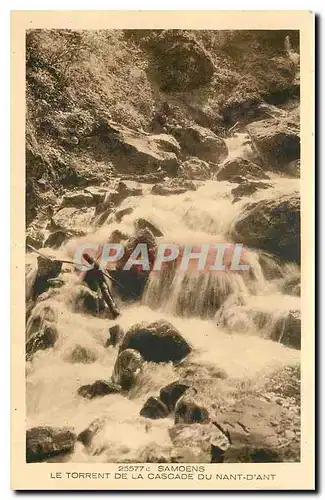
150,136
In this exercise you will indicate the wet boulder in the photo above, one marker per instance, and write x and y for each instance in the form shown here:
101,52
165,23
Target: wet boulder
272,225
180,63
154,408
188,411
127,368
248,188
158,341
277,142
201,143
42,339
99,388
196,169
171,393
173,186
116,334
142,223
231,169
45,442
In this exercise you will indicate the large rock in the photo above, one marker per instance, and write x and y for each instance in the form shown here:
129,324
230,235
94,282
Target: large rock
188,411
127,368
87,435
276,141
196,169
43,339
77,199
248,188
159,342
260,431
45,442
231,169
136,152
154,408
173,186
75,221
171,393
202,143
80,354
272,225
180,63
48,268
99,388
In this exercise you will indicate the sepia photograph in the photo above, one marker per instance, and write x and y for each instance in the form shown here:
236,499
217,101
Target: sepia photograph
163,246
162,291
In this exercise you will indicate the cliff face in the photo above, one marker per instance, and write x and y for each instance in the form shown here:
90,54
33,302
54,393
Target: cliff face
143,81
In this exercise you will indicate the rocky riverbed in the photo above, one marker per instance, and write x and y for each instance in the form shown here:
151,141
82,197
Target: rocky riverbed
197,367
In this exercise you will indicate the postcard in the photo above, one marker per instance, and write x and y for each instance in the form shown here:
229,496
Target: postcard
162,250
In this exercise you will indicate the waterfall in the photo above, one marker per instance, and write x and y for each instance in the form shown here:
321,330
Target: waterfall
228,318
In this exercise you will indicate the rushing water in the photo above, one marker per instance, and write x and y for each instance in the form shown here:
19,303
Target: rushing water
217,315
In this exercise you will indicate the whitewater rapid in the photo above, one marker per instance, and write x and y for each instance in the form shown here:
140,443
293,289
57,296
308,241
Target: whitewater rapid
223,334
